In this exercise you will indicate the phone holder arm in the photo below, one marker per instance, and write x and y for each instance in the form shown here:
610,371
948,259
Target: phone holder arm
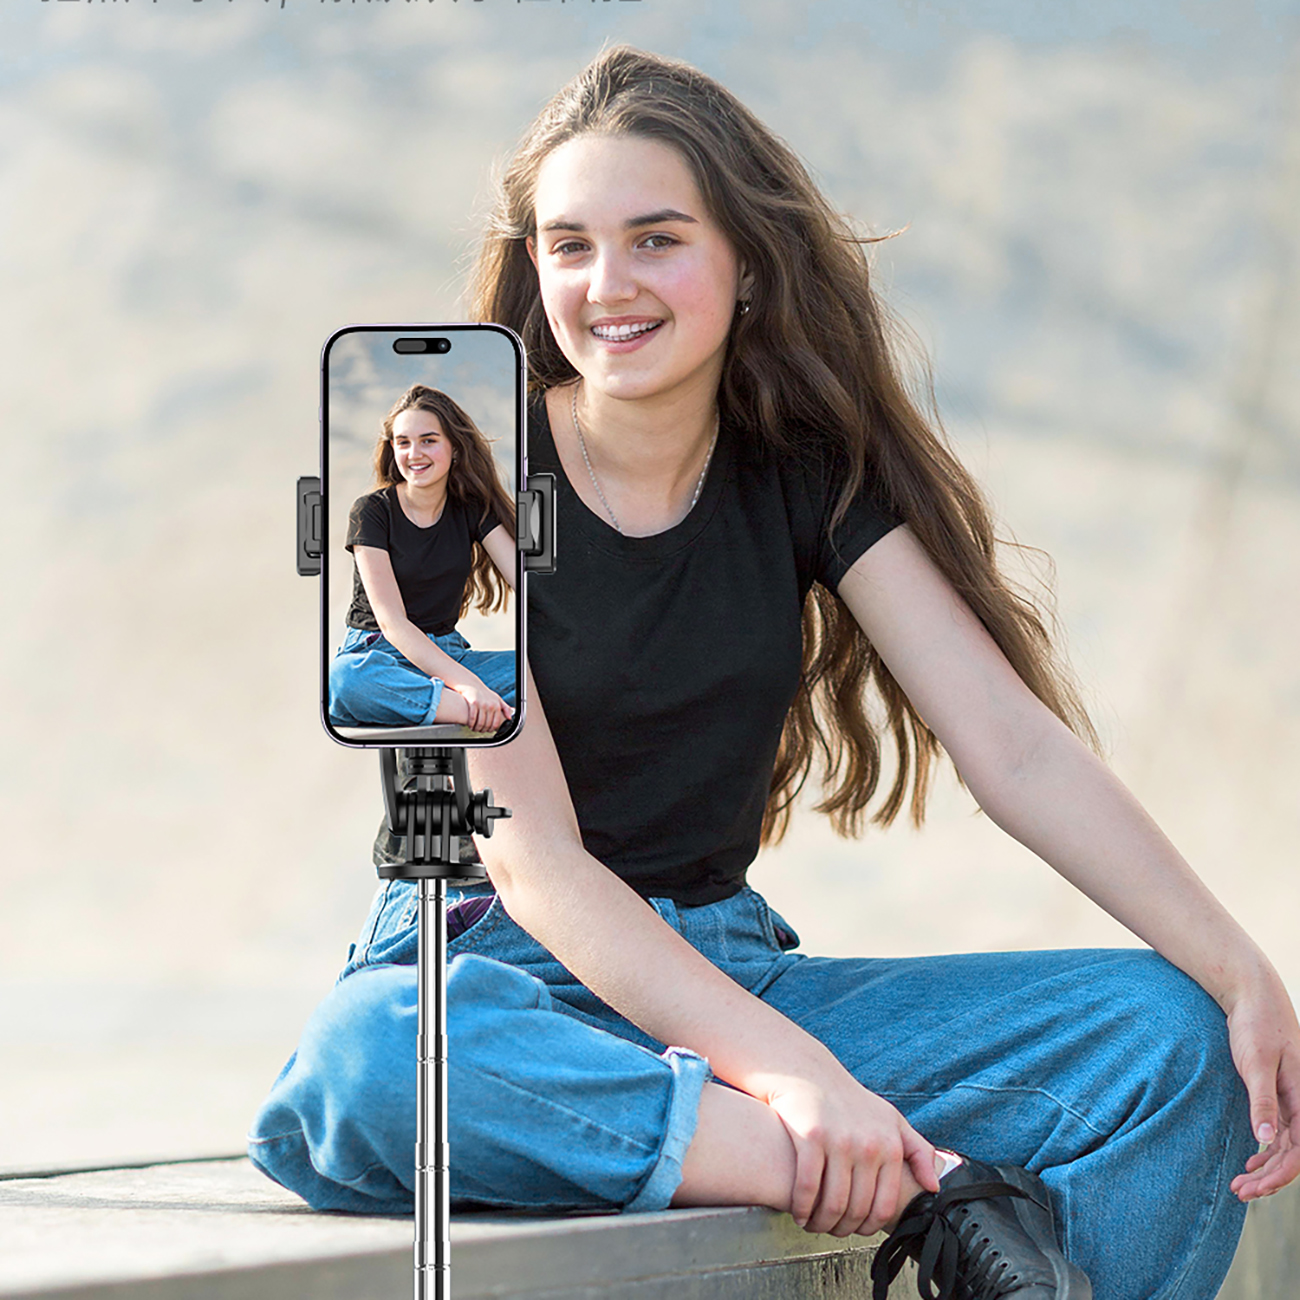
536,524
309,540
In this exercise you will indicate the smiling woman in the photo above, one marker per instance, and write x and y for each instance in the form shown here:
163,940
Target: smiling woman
641,287
774,556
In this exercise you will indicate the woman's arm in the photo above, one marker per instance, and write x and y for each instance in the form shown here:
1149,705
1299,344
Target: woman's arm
850,1144
1043,786
501,549
376,569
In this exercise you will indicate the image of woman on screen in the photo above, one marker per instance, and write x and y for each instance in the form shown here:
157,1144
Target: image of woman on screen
435,538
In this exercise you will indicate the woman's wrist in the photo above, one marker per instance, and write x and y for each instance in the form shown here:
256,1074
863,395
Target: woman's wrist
458,683
804,1061
1247,976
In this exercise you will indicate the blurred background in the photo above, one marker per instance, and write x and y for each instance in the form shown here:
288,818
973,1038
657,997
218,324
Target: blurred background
1099,205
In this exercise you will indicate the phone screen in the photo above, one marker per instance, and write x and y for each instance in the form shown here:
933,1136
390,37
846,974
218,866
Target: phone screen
421,462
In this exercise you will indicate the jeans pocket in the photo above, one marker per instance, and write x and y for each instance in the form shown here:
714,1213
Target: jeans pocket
476,927
463,916
497,935
781,933
786,937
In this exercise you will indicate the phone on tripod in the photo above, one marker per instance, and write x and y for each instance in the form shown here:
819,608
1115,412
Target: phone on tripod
425,528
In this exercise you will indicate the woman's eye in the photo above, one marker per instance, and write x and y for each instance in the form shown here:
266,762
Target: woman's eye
660,241
567,247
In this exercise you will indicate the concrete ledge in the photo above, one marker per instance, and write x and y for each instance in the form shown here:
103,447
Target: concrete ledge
220,1231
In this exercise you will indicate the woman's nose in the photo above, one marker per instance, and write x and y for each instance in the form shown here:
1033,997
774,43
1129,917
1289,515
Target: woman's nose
611,280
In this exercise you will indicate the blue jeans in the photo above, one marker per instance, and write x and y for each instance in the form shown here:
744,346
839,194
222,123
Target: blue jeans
1105,1072
372,684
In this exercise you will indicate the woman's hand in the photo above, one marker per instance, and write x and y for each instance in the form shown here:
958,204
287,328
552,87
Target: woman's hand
1265,1038
487,710
853,1154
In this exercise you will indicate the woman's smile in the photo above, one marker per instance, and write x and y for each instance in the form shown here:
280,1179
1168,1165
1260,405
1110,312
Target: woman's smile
624,336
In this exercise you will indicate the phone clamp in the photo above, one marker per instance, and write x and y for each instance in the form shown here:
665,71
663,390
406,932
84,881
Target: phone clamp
535,527
431,806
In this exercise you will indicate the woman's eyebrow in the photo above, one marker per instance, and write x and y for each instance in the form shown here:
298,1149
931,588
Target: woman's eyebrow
649,219
654,218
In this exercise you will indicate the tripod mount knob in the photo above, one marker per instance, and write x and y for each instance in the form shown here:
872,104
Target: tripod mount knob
482,813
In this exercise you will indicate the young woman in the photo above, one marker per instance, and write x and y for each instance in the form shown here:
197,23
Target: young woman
764,539
434,538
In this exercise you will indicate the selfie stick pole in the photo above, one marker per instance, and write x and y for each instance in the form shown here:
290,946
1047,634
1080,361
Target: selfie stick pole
431,818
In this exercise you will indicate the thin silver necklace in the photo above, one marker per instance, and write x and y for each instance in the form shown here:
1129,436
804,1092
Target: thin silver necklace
595,482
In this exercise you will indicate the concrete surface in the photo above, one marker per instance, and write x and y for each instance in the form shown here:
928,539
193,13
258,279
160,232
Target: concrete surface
221,1231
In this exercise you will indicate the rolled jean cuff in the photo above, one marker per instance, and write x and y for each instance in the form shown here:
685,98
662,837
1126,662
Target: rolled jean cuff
691,1072
434,701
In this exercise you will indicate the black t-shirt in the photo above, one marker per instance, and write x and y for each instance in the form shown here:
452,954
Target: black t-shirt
667,664
431,564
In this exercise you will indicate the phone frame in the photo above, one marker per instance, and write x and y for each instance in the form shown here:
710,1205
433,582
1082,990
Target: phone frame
519,596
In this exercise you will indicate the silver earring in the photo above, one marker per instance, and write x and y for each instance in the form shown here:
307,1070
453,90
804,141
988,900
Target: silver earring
744,307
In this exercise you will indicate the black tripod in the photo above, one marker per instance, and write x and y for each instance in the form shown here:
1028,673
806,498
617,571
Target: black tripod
431,806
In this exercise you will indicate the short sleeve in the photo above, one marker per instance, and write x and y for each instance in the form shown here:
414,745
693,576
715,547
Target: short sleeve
489,522
868,518
368,523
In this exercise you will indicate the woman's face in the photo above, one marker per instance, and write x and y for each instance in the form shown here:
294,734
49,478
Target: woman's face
421,450
638,281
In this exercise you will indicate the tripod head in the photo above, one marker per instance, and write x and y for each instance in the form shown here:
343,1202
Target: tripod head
429,803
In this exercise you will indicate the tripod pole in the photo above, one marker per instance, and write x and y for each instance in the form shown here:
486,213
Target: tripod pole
432,1163
431,806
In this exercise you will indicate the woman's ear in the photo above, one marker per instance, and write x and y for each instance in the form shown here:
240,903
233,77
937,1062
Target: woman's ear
745,289
531,245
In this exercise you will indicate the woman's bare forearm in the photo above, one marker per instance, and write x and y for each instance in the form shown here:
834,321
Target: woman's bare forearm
1066,805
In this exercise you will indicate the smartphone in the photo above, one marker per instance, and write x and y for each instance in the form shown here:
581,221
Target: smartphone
422,593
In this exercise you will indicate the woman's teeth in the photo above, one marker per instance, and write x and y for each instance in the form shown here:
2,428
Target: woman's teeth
620,333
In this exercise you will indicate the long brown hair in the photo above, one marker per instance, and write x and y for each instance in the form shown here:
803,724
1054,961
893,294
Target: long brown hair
815,359
473,480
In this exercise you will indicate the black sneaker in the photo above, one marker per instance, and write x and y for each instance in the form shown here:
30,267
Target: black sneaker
987,1232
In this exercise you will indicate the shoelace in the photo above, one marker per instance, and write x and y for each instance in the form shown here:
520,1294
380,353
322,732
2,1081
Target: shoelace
926,1234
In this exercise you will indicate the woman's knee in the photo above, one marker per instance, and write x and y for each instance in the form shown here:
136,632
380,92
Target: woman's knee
344,680
338,1124
1179,1036
356,1057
